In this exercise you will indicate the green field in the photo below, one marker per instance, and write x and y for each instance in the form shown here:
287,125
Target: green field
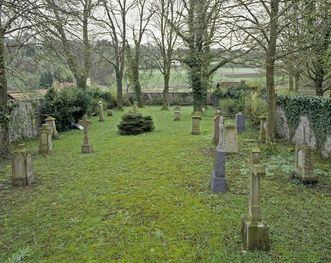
147,198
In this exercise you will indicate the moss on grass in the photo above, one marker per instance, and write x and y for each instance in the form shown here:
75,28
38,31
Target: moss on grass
147,198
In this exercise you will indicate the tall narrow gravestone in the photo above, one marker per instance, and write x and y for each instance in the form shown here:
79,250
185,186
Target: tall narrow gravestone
50,121
218,181
254,231
22,172
177,113
135,107
100,111
86,147
216,134
231,144
45,139
263,129
241,122
304,167
196,123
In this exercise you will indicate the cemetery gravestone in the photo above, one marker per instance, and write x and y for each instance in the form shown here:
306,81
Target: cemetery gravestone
135,107
86,147
109,113
50,121
241,122
177,113
196,123
231,144
216,129
22,172
45,139
100,111
304,167
263,129
218,181
254,231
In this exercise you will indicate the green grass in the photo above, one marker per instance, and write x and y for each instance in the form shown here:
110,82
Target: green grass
147,198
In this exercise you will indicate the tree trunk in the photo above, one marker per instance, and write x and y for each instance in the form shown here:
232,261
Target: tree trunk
196,83
296,81
270,71
119,85
318,80
165,102
4,129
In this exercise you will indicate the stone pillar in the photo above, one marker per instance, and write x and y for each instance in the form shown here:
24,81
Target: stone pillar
255,232
50,121
263,129
218,181
216,129
86,147
135,107
22,171
231,144
241,122
45,139
196,124
177,113
100,111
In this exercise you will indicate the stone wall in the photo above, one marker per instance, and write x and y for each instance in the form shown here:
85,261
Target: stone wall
283,131
24,121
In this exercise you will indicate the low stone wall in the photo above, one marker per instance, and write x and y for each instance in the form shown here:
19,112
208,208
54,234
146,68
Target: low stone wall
283,131
24,121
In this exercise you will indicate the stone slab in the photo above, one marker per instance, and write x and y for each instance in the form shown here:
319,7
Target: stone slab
218,184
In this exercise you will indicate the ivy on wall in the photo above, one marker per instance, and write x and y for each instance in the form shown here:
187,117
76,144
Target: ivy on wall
317,110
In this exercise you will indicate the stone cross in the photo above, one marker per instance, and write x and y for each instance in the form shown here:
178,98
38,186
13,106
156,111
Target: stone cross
196,123
177,113
45,139
50,121
255,232
22,171
241,122
221,134
86,147
100,111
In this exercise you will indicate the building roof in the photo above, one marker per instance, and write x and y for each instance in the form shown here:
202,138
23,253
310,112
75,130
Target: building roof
27,95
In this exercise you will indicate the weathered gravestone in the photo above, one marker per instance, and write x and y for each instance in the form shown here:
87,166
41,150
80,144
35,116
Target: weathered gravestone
304,167
217,124
100,111
263,129
241,122
22,172
177,113
196,123
50,121
254,231
231,144
218,181
86,147
135,107
109,113
45,139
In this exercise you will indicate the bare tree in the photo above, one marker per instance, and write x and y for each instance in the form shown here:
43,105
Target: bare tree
138,28
164,38
67,22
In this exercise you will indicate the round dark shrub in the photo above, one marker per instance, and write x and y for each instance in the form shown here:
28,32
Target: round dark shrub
135,123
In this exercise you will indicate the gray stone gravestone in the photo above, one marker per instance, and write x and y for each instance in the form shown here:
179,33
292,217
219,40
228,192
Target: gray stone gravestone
196,123
50,121
218,181
254,231
135,107
231,144
100,111
241,122
216,134
22,171
45,139
86,147
177,113
304,166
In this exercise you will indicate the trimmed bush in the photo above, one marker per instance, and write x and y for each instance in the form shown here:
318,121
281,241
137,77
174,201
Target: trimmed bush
135,123
255,107
230,107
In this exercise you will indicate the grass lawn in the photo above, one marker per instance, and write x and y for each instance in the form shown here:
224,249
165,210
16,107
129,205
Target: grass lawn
147,198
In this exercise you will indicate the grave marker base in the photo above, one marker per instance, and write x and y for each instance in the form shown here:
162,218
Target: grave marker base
87,148
218,184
